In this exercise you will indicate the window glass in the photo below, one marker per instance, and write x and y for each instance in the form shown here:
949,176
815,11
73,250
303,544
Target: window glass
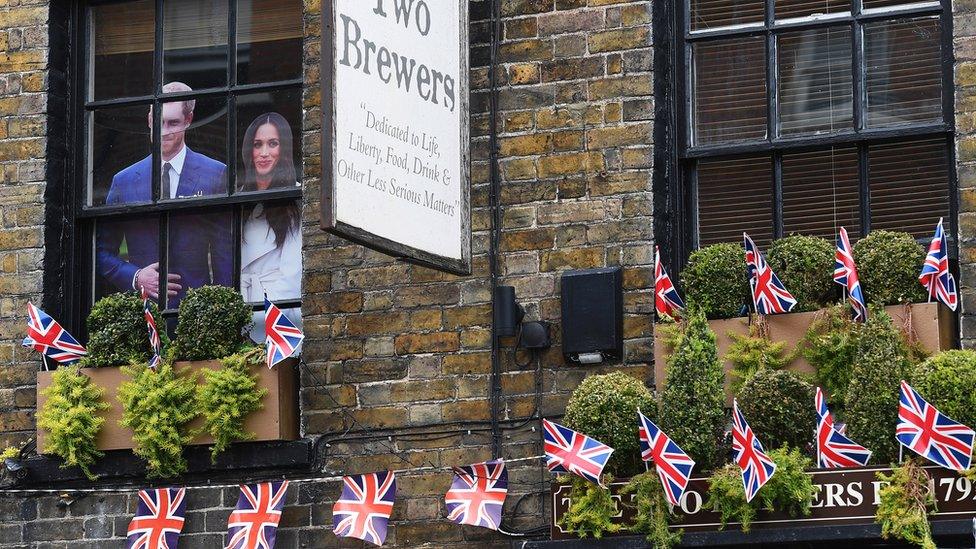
121,44
816,94
119,159
730,90
904,71
821,192
269,140
194,148
909,186
269,40
786,9
875,4
195,42
709,14
734,196
125,248
200,252
271,251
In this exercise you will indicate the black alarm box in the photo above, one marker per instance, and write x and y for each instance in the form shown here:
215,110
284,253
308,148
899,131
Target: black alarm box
592,315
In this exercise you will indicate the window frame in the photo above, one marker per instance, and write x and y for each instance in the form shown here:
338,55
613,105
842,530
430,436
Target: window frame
674,179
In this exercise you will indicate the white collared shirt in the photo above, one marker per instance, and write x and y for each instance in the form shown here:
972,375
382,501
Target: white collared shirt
176,168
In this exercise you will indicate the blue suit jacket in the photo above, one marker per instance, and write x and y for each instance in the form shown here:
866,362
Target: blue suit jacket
199,243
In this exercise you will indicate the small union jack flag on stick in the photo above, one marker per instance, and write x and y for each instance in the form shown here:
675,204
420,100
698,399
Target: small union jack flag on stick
364,508
769,295
477,494
158,520
154,342
672,463
46,336
570,452
845,274
936,278
254,522
757,467
930,434
667,302
833,448
281,336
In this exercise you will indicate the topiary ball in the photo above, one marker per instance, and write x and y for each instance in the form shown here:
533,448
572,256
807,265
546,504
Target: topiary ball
715,280
117,331
605,407
948,381
805,264
888,264
211,323
778,405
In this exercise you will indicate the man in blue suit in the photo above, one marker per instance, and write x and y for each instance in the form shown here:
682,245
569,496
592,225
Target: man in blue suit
199,244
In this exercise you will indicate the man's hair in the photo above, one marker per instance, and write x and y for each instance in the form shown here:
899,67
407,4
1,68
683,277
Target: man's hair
174,87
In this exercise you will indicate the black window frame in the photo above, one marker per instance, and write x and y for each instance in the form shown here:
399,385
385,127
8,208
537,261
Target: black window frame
674,185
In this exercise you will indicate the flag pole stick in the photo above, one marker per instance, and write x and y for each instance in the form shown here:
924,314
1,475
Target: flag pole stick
901,449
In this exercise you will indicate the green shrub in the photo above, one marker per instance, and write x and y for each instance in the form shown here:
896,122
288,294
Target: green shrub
789,490
10,452
117,331
591,511
715,280
906,502
752,353
830,346
948,381
805,264
880,364
652,511
888,263
227,396
693,401
779,407
211,324
70,417
605,407
158,407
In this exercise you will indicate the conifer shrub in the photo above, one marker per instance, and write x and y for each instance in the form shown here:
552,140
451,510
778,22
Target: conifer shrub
605,407
752,353
227,396
948,381
117,331
779,407
693,400
70,417
592,509
652,514
212,322
715,280
805,264
906,503
830,346
888,263
880,363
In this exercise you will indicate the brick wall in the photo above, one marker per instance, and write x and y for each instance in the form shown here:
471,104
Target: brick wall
964,48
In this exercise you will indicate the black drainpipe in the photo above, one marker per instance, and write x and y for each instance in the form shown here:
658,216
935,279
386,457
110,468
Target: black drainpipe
496,225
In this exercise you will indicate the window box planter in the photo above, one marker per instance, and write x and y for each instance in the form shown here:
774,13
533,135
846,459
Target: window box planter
932,322
276,420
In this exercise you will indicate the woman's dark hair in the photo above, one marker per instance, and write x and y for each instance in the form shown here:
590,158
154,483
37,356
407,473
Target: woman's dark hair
282,218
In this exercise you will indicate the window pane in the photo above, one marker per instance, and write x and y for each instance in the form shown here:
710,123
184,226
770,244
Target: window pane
271,252
909,186
730,90
123,248
735,196
121,42
269,140
872,4
815,93
786,9
708,14
269,40
195,42
119,160
194,145
904,71
200,251
821,192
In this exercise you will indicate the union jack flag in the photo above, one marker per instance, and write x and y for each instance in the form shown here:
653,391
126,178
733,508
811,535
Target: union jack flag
667,302
570,452
154,342
254,523
768,293
930,434
46,336
757,467
833,448
364,508
158,520
935,275
845,274
281,336
672,464
477,494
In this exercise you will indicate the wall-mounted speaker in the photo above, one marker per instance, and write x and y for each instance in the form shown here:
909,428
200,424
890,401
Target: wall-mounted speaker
592,315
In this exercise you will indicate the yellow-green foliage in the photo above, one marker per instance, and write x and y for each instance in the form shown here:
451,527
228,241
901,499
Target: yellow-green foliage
906,502
789,490
830,345
749,354
157,406
9,453
227,396
70,417
592,510
652,511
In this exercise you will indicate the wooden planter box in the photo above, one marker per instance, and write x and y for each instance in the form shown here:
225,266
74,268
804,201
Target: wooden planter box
932,322
276,420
